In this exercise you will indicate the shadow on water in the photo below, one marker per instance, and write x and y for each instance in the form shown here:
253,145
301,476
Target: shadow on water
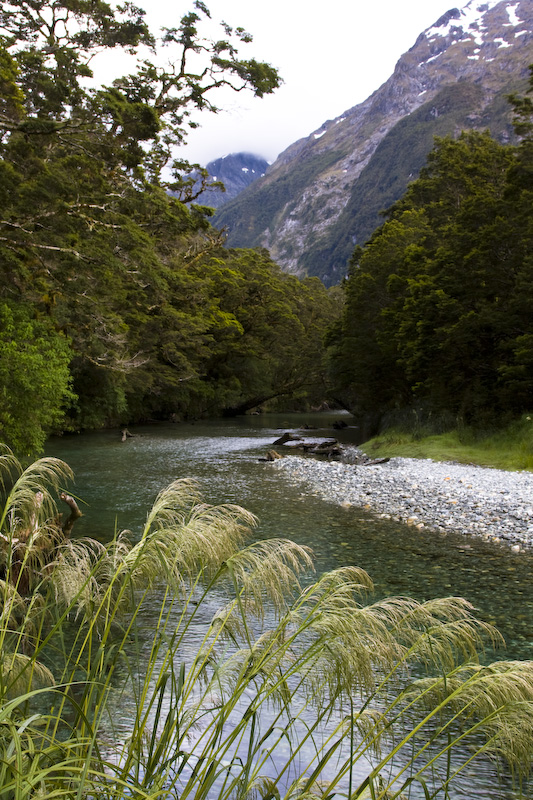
119,482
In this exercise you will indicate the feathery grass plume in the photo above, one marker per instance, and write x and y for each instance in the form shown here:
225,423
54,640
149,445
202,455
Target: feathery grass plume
227,622
262,787
259,669
358,637
267,572
372,726
29,528
183,537
499,694
172,505
20,673
9,468
444,632
366,642
301,790
229,672
80,575
20,512
211,535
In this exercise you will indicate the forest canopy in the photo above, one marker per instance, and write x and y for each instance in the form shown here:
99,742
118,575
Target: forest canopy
118,301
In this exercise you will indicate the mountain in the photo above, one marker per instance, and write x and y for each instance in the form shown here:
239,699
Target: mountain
325,192
236,171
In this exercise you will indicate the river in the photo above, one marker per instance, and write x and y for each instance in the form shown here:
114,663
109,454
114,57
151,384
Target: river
117,483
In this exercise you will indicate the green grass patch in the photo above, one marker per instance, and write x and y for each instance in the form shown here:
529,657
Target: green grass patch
510,448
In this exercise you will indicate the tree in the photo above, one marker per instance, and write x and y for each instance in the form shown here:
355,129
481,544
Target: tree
34,378
364,350
272,343
437,296
452,323
48,46
92,245
516,369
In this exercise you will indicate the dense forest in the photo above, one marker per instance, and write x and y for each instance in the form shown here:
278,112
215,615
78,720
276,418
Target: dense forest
118,300
437,324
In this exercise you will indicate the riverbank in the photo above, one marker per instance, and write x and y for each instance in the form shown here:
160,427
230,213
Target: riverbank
492,503
509,447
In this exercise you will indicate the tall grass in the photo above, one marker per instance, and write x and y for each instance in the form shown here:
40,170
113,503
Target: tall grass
194,663
510,447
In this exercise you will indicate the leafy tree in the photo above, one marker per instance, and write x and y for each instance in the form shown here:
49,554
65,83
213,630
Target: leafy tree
451,323
436,298
52,44
273,346
364,351
232,332
34,378
516,375
90,240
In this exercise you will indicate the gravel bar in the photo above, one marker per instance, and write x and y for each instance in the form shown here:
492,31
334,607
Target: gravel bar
491,503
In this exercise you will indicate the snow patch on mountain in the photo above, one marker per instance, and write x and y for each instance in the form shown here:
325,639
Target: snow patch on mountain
513,18
469,21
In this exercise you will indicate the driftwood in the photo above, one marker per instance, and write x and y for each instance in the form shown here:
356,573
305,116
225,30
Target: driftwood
339,424
287,437
328,448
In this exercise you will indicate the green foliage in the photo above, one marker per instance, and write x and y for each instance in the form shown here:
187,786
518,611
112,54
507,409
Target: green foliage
271,341
52,45
161,320
34,378
248,683
436,302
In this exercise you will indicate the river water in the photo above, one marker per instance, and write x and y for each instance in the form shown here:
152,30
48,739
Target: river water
117,483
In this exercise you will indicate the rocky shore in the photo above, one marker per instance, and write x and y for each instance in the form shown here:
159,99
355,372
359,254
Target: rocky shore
491,503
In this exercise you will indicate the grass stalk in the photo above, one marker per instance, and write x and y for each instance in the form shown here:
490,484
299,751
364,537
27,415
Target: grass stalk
318,674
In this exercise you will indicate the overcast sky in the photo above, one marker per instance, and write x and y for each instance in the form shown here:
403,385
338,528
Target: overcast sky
331,54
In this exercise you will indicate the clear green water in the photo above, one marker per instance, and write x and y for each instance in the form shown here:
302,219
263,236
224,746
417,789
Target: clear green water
118,482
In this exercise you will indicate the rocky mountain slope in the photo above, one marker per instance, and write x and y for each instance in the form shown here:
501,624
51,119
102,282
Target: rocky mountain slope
326,192
236,171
